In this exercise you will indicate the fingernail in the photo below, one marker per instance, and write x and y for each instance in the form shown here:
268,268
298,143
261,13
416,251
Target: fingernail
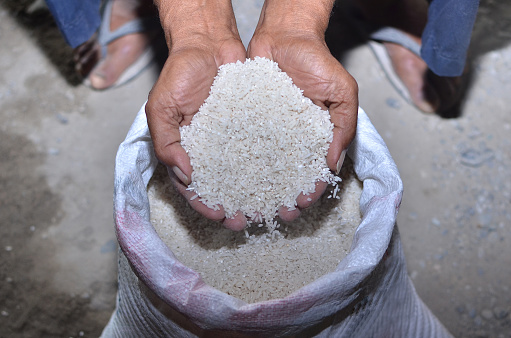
340,162
180,175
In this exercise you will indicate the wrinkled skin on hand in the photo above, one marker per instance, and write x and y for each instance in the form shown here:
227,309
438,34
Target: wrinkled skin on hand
306,59
182,87
193,62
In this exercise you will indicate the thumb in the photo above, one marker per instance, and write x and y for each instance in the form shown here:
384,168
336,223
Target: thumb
163,121
167,145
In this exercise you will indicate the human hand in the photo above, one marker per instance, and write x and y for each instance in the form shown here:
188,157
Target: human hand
291,33
200,39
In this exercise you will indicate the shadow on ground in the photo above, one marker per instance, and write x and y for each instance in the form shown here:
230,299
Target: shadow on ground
35,18
42,30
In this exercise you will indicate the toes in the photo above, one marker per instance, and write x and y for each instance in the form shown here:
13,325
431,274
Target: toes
87,60
86,56
448,90
428,100
106,73
84,48
412,71
121,54
100,78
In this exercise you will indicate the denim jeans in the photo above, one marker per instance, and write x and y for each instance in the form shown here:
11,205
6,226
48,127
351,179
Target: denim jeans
76,19
445,39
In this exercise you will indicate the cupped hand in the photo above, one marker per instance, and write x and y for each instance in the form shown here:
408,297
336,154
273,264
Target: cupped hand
182,87
304,56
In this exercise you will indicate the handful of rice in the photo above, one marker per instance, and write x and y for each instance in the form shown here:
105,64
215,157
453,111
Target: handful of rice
257,143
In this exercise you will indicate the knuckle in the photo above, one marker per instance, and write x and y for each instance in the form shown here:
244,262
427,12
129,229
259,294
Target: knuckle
159,153
166,110
350,86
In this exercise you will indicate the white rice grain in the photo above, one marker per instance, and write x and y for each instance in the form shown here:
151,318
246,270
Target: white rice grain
255,145
252,265
256,142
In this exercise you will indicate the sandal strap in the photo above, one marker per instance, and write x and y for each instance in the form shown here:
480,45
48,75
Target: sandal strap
105,35
389,34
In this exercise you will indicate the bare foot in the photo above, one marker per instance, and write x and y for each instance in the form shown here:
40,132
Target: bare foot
412,71
429,92
121,53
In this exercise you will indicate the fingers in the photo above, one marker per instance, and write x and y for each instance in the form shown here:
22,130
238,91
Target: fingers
343,109
236,223
172,102
287,214
325,81
303,202
166,140
260,45
196,204
177,95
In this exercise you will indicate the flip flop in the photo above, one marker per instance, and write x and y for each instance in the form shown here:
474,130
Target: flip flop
449,90
375,35
388,34
106,36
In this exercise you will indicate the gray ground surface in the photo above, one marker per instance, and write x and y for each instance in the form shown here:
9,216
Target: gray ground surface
57,148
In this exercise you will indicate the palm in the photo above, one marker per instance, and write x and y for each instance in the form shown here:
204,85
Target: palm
305,64
187,76
176,97
313,69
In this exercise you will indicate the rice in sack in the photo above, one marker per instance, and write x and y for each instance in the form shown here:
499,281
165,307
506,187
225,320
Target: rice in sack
367,294
261,263
255,145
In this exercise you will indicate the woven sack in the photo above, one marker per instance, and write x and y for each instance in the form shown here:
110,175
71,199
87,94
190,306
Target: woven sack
368,295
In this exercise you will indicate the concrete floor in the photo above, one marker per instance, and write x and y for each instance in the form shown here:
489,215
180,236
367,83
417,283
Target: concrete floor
59,139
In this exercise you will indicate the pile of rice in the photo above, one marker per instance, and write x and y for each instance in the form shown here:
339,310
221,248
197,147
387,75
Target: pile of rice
259,264
255,145
256,142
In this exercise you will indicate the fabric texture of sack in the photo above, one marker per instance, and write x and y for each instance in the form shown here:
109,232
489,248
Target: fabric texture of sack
368,295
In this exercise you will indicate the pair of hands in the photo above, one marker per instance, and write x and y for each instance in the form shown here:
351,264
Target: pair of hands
202,37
